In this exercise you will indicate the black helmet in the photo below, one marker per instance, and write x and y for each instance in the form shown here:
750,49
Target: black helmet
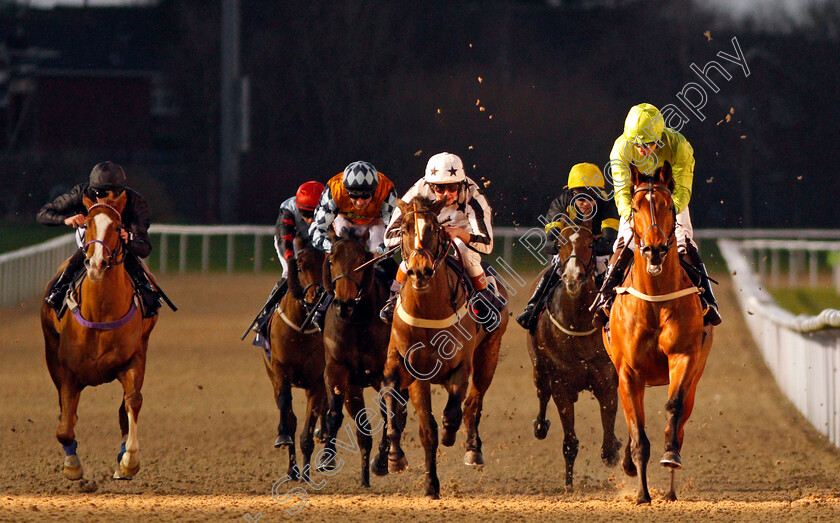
107,175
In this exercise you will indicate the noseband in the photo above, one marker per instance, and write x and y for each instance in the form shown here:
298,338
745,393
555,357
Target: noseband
112,255
651,188
361,290
442,246
589,266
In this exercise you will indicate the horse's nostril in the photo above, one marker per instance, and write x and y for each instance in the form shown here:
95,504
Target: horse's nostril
428,272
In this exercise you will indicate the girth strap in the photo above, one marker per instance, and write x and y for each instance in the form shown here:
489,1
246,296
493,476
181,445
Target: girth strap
659,297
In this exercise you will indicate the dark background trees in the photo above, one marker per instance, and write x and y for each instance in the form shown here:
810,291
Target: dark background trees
521,90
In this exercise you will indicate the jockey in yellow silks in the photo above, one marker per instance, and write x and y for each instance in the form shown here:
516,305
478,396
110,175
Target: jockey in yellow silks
647,144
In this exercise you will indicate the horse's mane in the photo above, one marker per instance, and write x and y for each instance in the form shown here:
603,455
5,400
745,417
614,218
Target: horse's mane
422,203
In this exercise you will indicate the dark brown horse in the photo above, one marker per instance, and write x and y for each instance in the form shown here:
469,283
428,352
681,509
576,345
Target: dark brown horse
297,357
104,339
437,338
356,342
656,334
568,355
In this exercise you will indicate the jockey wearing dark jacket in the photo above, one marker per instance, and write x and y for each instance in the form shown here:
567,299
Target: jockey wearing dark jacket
106,178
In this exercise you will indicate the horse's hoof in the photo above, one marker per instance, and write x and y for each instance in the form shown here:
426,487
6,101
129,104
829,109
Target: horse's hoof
670,496
629,467
318,436
73,468
284,440
474,458
643,499
610,455
124,473
671,459
448,438
395,466
380,465
541,428
433,495
326,466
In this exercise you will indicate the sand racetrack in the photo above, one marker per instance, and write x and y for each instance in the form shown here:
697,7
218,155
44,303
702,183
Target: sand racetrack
208,423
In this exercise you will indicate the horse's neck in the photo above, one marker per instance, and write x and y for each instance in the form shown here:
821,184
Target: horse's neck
439,294
669,280
572,310
292,308
110,298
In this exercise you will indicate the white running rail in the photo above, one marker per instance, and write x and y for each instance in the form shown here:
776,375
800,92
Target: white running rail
803,352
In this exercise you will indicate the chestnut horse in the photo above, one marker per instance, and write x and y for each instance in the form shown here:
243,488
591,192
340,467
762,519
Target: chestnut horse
656,334
297,357
437,338
355,342
105,338
568,355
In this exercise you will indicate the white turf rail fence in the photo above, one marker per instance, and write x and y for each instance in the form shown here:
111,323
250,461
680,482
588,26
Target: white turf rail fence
803,352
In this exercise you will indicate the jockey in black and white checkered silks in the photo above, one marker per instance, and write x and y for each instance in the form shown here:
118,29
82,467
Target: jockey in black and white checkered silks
359,198
467,215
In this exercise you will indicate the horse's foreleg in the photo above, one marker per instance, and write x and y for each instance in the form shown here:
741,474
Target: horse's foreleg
605,389
132,382
65,433
542,380
679,406
638,452
337,381
566,408
485,358
355,404
452,413
422,399
380,462
314,399
394,397
287,425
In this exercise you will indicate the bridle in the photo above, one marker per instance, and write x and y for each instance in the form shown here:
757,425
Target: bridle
443,242
112,255
319,288
589,266
360,293
652,188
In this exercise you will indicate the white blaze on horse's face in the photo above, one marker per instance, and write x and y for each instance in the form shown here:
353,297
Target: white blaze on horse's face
573,273
97,262
419,226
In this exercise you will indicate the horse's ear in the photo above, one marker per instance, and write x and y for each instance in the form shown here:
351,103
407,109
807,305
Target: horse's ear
298,243
436,206
331,234
666,174
120,202
404,207
634,175
87,202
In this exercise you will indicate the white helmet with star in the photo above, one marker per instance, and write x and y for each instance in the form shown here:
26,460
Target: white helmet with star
444,168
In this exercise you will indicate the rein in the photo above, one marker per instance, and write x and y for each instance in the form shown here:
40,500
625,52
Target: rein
651,188
112,255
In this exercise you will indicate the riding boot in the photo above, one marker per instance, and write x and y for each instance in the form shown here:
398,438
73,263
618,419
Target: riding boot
55,297
387,312
618,265
320,313
274,298
700,278
149,296
528,319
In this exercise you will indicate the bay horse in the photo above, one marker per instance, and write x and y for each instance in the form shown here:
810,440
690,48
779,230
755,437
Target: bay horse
105,338
355,343
656,334
568,355
437,338
297,356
